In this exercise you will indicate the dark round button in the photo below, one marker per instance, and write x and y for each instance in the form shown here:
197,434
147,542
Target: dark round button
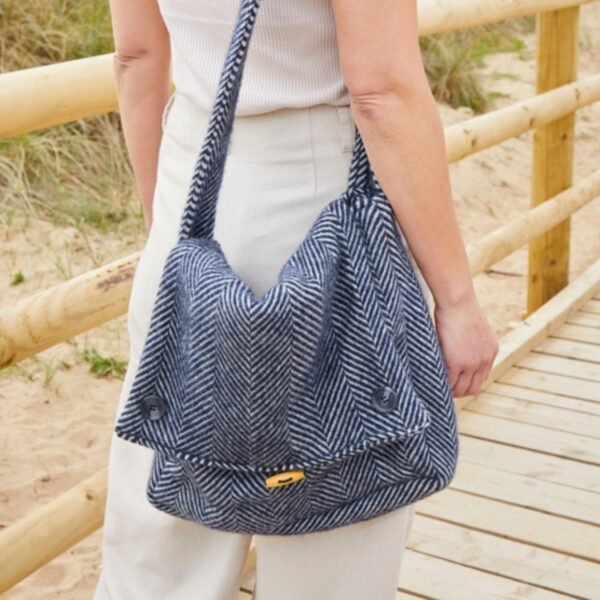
385,399
152,407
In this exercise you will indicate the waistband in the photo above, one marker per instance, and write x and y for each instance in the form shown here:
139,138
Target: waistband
322,129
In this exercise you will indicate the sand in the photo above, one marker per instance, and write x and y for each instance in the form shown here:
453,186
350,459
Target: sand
56,419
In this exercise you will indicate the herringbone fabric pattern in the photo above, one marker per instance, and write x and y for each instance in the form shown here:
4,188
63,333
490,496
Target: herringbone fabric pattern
336,371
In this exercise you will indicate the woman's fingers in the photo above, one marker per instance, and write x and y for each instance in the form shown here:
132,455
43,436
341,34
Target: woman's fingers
477,379
468,379
462,383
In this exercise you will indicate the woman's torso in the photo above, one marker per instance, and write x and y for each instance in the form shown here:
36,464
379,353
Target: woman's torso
292,60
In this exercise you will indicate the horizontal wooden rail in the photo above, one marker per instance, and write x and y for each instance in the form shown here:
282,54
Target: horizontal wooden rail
45,96
51,529
436,16
42,97
484,131
65,310
510,237
94,298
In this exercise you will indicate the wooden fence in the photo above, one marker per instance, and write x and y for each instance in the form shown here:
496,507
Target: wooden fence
47,96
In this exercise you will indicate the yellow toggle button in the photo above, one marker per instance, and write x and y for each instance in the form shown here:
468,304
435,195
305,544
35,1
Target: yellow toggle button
284,478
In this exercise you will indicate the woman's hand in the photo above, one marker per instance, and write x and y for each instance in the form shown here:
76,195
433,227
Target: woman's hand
468,344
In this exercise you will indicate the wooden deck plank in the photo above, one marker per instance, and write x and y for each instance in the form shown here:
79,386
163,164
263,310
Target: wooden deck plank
518,523
500,556
569,349
545,398
591,306
589,335
248,581
584,319
529,463
520,490
541,323
550,417
578,369
549,382
437,578
524,435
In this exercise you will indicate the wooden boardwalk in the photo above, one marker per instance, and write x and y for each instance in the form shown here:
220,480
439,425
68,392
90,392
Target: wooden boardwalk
521,517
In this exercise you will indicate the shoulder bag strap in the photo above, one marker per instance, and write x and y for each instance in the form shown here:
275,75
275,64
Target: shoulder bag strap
199,212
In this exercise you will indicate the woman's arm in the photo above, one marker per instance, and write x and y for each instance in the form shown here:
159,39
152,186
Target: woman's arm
141,62
397,117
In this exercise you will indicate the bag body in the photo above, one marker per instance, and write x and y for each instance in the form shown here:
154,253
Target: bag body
323,402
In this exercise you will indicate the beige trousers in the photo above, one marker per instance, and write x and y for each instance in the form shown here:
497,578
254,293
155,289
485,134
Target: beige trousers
283,167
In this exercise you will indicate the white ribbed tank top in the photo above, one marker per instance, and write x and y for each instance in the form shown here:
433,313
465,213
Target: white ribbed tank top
292,60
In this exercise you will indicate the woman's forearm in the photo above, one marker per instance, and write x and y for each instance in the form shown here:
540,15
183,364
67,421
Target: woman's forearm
143,86
404,138
397,117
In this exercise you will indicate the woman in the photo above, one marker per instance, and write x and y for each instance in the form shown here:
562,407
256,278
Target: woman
316,70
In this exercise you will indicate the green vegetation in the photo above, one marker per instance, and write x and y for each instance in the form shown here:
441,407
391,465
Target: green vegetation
451,59
105,366
75,174
17,278
41,32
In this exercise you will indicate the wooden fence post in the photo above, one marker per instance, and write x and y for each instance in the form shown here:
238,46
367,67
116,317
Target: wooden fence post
553,145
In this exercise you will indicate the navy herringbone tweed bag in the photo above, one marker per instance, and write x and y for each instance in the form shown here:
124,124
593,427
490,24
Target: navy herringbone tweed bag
324,402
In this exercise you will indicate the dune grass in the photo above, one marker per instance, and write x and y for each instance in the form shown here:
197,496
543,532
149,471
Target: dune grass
451,59
74,174
41,32
78,174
